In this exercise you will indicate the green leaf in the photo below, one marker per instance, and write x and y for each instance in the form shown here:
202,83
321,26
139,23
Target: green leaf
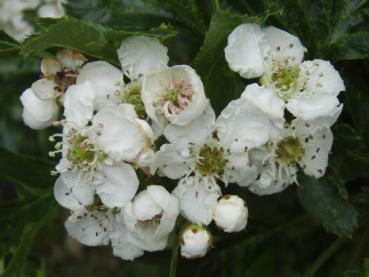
221,84
31,173
29,233
362,271
7,44
91,39
353,46
322,201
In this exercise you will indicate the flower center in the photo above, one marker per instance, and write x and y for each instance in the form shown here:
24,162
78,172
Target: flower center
284,78
133,96
211,160
289,150
83,153
176,97
64,79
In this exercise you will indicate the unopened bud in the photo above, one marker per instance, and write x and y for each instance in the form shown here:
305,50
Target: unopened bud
231,213
195,242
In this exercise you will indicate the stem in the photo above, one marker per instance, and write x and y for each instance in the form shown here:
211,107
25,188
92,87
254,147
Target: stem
216,6
324,257
174,260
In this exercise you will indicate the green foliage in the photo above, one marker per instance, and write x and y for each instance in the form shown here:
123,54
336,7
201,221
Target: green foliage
362,271
322,200
91,39
221,84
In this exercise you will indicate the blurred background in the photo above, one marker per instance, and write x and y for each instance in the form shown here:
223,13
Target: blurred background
288,234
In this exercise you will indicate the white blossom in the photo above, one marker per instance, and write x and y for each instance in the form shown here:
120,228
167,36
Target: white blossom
150,217
231,213
106,80
309,88
195,242
299,146
141,55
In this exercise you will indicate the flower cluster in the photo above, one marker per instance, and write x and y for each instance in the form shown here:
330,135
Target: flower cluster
13,21
152,118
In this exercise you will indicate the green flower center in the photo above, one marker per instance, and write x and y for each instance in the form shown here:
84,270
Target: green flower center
289,150
211,160
285,80
82,152
133,96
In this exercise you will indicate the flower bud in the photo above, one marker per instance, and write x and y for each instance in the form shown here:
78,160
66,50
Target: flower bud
231,213
195,242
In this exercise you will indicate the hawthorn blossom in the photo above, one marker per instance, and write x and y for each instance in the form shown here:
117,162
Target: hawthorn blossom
98,159
41,102
173,96
150,217
212,150
300,145
309,88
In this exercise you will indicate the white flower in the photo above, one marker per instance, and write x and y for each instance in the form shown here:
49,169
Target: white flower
195,242
197,197
12,20
173,96
150,217
231,214
141,55
121,134
115,185
309,88
79,103
121,241
53,9
38,113
90,227
106,80
300,145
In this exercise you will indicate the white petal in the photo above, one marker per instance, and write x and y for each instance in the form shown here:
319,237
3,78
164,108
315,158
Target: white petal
283,45
141,55
174,160
244,51
79,104
269,183
53,10
197,198
37,113
121,137
79,189
71,59
241,125
317,147
44,89
155,84
64,196
106,80
170,207
314,106
119,185
122,247
320,77
89,228
239,169
267,101
198,131
50,67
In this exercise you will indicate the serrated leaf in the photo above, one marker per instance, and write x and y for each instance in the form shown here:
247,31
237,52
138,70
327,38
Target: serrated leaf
91,39
322,201
362,271
7,44
221,84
